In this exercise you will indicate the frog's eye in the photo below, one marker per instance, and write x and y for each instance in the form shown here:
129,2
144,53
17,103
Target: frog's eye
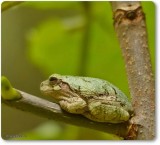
53,80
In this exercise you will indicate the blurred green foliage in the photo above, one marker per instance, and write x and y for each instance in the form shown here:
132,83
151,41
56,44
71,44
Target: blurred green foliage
50,130
56,46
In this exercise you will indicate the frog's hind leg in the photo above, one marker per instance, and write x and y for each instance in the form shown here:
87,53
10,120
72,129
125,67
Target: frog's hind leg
102,112
74,105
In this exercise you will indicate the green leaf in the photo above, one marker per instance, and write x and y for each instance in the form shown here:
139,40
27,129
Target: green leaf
55,48
7,91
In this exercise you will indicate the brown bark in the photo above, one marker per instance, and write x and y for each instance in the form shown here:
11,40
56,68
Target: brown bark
130,26
53,111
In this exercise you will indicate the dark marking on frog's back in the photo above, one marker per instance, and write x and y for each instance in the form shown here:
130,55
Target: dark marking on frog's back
115,90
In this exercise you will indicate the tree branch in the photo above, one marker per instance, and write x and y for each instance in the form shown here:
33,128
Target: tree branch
47,109
129,22
8,4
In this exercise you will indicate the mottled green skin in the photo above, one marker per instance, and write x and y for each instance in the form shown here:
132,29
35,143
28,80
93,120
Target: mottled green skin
94,98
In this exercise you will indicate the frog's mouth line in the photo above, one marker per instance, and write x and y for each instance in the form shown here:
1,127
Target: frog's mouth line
58,93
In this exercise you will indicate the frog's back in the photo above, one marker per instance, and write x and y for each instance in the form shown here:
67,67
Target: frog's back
90,86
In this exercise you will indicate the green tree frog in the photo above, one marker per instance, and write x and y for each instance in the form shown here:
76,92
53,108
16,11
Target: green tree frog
96,99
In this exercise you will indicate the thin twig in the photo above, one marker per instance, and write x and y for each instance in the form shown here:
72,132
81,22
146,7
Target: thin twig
50,110
85,40
8,4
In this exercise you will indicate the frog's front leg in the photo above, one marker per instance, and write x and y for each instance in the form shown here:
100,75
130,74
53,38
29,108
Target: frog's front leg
103,112
74,105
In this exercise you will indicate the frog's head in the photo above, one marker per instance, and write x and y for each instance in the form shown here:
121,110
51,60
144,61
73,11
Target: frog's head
54,86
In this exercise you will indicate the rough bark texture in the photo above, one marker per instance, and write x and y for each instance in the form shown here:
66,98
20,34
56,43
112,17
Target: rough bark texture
50,110
129,22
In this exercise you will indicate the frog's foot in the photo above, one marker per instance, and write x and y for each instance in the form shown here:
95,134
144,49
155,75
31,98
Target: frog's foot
106,113
74,105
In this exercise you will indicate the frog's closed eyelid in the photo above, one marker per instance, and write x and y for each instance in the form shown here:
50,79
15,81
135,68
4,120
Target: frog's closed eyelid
53,79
